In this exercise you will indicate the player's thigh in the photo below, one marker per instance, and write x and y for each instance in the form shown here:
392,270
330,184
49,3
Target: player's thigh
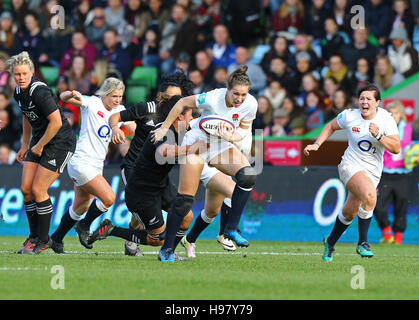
189,175
43,180
230,161
101,189
362,187
221,183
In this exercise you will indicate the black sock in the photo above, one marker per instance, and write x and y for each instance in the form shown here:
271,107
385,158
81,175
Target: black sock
338,229
44,210
64,227
32,215
238,202
363,226
198,226
179,235
91,215
133,235
225,209
172,226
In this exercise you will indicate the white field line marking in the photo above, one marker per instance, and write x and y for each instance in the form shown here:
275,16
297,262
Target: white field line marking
21,269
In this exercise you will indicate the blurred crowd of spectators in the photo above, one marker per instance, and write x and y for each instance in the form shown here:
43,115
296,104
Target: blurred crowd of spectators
305,58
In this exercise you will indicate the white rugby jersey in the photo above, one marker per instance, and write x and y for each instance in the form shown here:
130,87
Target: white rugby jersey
213,103
363,149
95,133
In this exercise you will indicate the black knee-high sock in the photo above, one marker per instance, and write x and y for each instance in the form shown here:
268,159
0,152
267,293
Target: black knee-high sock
225,209
363,227
238,202
172,226
32,215
44,210
64,227
338,229
91,215
197,228
179,235
133,235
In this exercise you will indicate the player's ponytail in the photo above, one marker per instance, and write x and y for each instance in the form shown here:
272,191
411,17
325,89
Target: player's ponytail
238,77
19,59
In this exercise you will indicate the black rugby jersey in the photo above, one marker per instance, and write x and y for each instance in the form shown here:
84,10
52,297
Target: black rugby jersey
138,113
149,173
38,101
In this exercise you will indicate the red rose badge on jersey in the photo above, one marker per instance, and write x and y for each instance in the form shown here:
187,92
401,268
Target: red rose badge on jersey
100,113
235,117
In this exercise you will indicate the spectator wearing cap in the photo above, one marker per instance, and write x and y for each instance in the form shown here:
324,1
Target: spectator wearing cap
7,32
302,43
403,56
378,17
280,126
298,127
222,52
359,48
254,71
264,116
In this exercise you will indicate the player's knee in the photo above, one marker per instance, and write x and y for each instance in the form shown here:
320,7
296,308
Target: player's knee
370,200
187,220
109,199
246,177
182,204
156,239
38,191
26,191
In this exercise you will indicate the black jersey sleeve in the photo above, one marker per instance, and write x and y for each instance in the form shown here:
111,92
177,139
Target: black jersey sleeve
43,97
138,111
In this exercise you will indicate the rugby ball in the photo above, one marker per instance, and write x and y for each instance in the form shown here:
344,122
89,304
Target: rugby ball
209,124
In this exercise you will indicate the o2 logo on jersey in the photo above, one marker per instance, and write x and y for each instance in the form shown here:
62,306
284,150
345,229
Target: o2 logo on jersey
104,132
366,146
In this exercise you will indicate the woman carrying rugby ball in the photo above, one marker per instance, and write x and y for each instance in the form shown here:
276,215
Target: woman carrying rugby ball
236,105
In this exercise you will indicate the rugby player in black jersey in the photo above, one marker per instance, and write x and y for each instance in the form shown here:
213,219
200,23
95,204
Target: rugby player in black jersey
148,184
47,145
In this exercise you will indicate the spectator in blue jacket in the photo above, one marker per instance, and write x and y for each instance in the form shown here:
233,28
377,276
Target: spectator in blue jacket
222,52
378,16
118,57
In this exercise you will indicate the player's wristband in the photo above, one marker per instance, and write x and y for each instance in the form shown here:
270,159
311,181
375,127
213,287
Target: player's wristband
317,143
379,136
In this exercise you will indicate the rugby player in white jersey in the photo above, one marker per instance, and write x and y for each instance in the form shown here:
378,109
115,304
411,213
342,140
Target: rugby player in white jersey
86,166
234,103
370,130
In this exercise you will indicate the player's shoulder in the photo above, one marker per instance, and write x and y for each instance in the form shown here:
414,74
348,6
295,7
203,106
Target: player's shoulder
349,115
384,113
38,88
251,100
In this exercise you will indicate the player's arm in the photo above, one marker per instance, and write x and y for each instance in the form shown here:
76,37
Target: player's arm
327,131
167,150
391,143
177,109
241,132
27,134
73,97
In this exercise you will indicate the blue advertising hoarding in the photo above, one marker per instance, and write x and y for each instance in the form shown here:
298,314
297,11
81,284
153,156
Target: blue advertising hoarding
287,204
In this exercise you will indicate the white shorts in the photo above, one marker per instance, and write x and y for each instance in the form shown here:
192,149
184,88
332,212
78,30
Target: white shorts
217,146
207,174
81,172
347,171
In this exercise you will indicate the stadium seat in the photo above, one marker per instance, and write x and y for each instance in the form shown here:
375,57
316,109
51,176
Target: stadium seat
143,75
135,94
50,74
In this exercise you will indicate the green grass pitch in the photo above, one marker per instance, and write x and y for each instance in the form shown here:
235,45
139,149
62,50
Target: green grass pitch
264,271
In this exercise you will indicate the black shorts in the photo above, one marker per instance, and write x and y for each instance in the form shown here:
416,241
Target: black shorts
52,157
147,206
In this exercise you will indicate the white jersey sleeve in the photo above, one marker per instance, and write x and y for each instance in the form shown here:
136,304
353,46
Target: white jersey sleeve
390,126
